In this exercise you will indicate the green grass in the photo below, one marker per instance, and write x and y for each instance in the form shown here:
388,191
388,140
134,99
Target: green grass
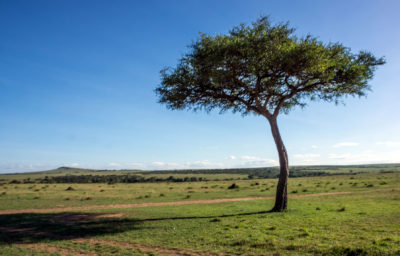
366,222
20,196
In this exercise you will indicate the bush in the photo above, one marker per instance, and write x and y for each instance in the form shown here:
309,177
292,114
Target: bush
348,251
233,186
342,209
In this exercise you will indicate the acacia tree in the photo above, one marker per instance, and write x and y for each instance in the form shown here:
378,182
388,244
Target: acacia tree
266,70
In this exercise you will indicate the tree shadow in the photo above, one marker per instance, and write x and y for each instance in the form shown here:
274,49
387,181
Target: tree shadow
46,227
34,227
206,217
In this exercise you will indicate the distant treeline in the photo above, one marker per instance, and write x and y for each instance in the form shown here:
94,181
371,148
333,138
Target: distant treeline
106,179
110,179
72,175
263,170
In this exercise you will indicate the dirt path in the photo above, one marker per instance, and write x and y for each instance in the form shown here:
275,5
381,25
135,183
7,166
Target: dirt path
145,248
54,250
210,201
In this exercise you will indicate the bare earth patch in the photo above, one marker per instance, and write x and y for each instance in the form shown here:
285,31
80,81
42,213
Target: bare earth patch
54,249
72,218
158,250
153,249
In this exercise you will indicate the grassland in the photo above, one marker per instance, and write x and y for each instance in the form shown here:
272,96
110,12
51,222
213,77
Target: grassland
358,214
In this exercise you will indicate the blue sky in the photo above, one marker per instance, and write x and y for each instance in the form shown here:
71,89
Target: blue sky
77,83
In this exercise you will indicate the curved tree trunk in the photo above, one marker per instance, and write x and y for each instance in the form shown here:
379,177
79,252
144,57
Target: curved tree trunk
281,190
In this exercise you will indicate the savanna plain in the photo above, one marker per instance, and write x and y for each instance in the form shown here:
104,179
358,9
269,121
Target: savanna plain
351,210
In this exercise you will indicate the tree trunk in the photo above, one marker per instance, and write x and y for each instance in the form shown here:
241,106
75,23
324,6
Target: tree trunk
281,190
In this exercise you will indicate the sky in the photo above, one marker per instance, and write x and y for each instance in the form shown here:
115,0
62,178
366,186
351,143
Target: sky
77,82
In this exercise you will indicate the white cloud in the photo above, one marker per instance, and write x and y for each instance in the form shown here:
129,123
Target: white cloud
314,146
22,167
255,161
308,162
305,159
306,156
187,165
339,156
250,158
366,157
114,164
389,143
345,144
164,165
204,164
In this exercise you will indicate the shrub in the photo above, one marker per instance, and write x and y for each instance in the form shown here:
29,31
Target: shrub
233,186
348,251
342,209
215,220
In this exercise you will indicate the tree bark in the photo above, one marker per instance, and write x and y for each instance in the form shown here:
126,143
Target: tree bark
281,190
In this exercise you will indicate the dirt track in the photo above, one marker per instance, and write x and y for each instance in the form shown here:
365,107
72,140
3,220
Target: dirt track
137,205
144,248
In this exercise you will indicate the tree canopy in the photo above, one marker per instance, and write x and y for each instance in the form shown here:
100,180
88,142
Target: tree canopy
264,69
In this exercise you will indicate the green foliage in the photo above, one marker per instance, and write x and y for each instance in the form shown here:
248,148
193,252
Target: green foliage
264,69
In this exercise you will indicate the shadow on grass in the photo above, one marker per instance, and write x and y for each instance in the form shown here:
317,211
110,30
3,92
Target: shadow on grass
45,227
206,217
34,227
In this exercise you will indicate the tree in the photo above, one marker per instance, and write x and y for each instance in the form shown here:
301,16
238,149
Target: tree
265,69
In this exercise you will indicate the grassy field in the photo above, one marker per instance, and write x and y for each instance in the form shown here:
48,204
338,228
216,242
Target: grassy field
355,215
